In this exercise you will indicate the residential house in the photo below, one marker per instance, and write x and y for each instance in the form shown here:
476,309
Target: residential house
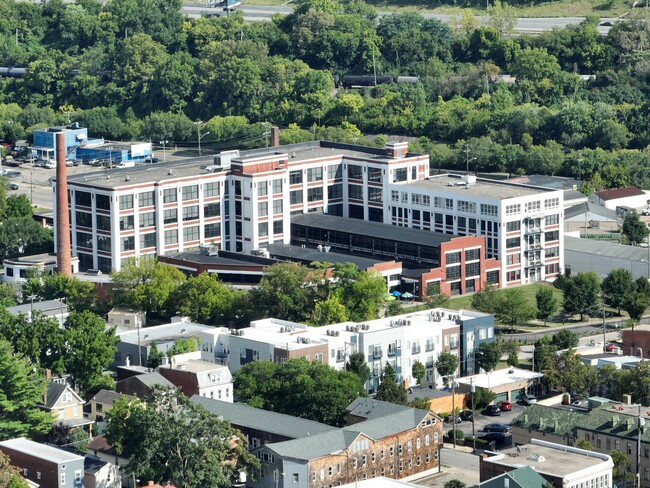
65,404
126,318
201,378
103,402
56,309
142,385
47,466
559,465
524,477
101,474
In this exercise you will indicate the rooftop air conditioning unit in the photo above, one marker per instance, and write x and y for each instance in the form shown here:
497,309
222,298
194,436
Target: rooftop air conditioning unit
338,333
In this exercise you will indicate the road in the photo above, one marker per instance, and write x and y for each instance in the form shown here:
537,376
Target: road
524,25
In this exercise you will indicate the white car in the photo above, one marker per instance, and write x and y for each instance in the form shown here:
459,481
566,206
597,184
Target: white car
529,400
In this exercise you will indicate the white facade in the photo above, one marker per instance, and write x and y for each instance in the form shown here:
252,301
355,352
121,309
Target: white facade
521,224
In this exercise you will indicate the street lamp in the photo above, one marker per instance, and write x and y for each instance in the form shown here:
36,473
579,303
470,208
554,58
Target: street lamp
198,132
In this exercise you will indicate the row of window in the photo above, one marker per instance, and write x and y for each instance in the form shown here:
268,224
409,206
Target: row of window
316,174
171,237
147,198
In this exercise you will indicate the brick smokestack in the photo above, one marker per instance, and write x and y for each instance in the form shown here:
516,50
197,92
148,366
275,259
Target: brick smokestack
275,136
63,253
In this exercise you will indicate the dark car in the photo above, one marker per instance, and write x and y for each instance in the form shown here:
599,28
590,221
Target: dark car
492,411
13,186
496,437
504,406
467,415
450,418
503,428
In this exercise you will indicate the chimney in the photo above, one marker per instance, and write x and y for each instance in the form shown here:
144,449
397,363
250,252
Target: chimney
63,256
275,136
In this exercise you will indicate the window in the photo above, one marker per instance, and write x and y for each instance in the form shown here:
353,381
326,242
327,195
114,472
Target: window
472,254
552,252
427,440
191,234
63,479
375,195
552,236
212,230
84,219
295,177
170,216
552,219
400,175
212,210
491,210
513,226
190,213
364,460
314,194
171,236
147,219
400,449
127,243
263,229
472,269
453,272
211,189
77,475
394,196
277,207
262,188
277,227
513,209
335,172
465,206
355,192
146,199
552,203
295,197
83,199
452,257
277,187
147,240
409,446
355,172
190,192
373,457
296,478
126,202
103,222
513,242
335,191
512,259
314,174
391,451
170,195
513,275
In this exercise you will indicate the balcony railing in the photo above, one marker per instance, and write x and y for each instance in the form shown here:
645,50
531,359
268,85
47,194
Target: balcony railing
416,350
377,354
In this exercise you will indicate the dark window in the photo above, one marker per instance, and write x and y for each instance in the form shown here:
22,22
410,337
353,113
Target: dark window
277,227
355,172
190,213
552,236
146,199
375,195
315,174
213,230
103,222
84,219
212,210
400,175
171,216
147,240
453,272
453,257
513,242
374,174
103,202
492,277
513,226
472,254
127,243
355,192
335,191
295,197
356,212
103,243
127,222
295,177
472,269
315,194
82,198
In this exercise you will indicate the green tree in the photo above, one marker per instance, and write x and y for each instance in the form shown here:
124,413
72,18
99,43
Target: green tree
418,371
204,299
565,339
155,357
486,299
617,286
584,444
23,235
91,347
281,293
79,295
18,206
546,303
574,376
286,388
511,349
620,461
455,484
446,364
643,286
635,230
185,443
389,390
10,475
544,354
636,304
21,389
357,364
512,307
489,355
330,311
582,294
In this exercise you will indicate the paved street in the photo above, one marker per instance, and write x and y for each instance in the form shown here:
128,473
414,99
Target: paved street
455,464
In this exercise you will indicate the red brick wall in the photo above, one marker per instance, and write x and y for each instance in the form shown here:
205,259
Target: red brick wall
633,339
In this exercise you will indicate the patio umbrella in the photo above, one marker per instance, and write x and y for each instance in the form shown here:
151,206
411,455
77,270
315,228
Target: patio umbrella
407,295
396,294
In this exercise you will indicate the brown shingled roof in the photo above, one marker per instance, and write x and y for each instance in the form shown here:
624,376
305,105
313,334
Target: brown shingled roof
630,191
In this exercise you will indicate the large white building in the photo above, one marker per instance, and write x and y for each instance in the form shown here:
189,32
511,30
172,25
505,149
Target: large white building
245,201
400,341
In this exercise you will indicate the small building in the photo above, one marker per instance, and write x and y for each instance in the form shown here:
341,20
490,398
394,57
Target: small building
524,477
559,465
201,378
601,257
509,384
100,449
44,146
103,402
101,474
56,309
262,426
629,197
588,218
142,385
117,154
46,466
126,318
636,341
20,269
64,403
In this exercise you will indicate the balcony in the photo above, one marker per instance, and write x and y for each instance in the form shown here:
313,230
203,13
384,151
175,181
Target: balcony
391,352
416,350
533,230
453,345
340,358
429,347
377,354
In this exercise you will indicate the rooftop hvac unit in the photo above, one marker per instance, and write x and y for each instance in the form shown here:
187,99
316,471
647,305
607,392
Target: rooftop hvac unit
298,340
307,340
338,333
392,322
281,330
408,322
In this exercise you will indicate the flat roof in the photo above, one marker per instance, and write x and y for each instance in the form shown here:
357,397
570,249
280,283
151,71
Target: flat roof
558,460
45,258
372,229
604,249
222,258
196,366
499,377
499,190
310,254
40,451
302,152
48,307
175,330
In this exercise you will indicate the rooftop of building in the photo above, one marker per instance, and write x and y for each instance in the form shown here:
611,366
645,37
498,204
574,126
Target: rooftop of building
197,366
525,476
379,482
45,258
242,415
620,360
224,258
150,379
54,390
485,188
499,377
548,458
175,330
369,408
47,307
605,249
310,254
40,451
107,397
191,167
371,229
589,207
93,464
547,181
616,193
570,195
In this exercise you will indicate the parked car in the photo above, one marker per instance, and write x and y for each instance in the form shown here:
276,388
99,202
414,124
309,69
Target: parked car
496,437
529,400
151,161
492,411
467,415
450,418
505,406
609,347
580,403
503,428
13,186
